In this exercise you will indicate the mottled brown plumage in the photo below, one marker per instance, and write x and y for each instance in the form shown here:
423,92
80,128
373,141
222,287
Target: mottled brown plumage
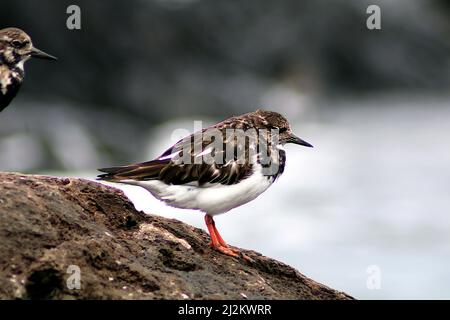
224,172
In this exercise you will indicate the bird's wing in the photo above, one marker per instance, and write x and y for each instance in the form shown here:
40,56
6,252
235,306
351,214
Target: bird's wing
172,168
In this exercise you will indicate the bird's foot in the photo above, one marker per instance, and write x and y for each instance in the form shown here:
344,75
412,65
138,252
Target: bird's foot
231,251
227,251
224,245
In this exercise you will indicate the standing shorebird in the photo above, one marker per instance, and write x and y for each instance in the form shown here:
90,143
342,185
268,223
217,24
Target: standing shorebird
217,169
15,49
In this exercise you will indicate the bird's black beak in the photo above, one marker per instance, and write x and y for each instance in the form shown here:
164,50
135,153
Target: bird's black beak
36,53
296,140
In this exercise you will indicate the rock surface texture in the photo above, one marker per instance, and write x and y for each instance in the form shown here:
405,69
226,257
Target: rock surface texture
54,229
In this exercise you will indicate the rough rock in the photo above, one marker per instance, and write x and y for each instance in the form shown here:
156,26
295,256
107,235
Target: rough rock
50,227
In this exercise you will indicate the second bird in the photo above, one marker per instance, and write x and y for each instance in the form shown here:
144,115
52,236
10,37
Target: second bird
15,49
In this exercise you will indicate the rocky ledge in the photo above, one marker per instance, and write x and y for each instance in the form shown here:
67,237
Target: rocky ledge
77,239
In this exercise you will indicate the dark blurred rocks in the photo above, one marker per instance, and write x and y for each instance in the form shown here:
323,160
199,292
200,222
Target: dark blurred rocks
50,227
138,63
167,57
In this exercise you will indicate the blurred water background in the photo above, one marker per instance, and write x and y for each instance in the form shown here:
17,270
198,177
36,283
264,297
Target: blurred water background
375,104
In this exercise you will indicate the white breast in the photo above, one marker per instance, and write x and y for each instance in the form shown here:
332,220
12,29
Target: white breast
210,198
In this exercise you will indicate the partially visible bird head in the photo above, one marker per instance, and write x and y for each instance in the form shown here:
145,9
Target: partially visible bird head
16,48
274,120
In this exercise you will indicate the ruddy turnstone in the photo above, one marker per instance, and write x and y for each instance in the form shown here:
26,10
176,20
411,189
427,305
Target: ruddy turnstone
15,49
216,169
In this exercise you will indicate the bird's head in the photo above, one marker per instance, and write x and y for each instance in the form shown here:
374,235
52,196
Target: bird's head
274,120
16,48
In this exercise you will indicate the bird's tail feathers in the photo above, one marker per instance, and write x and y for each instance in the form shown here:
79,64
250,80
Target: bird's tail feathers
141,171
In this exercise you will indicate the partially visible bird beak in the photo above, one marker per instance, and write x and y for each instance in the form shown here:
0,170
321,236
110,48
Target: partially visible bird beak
36,53
296,140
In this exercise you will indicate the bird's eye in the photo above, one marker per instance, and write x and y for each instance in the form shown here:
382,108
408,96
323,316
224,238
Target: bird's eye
284,129
18,44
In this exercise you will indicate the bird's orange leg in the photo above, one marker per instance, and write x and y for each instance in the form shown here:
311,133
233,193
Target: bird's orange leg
221,241
216,240
218,236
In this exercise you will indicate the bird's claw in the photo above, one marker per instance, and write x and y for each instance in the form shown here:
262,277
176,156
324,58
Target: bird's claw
231,251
